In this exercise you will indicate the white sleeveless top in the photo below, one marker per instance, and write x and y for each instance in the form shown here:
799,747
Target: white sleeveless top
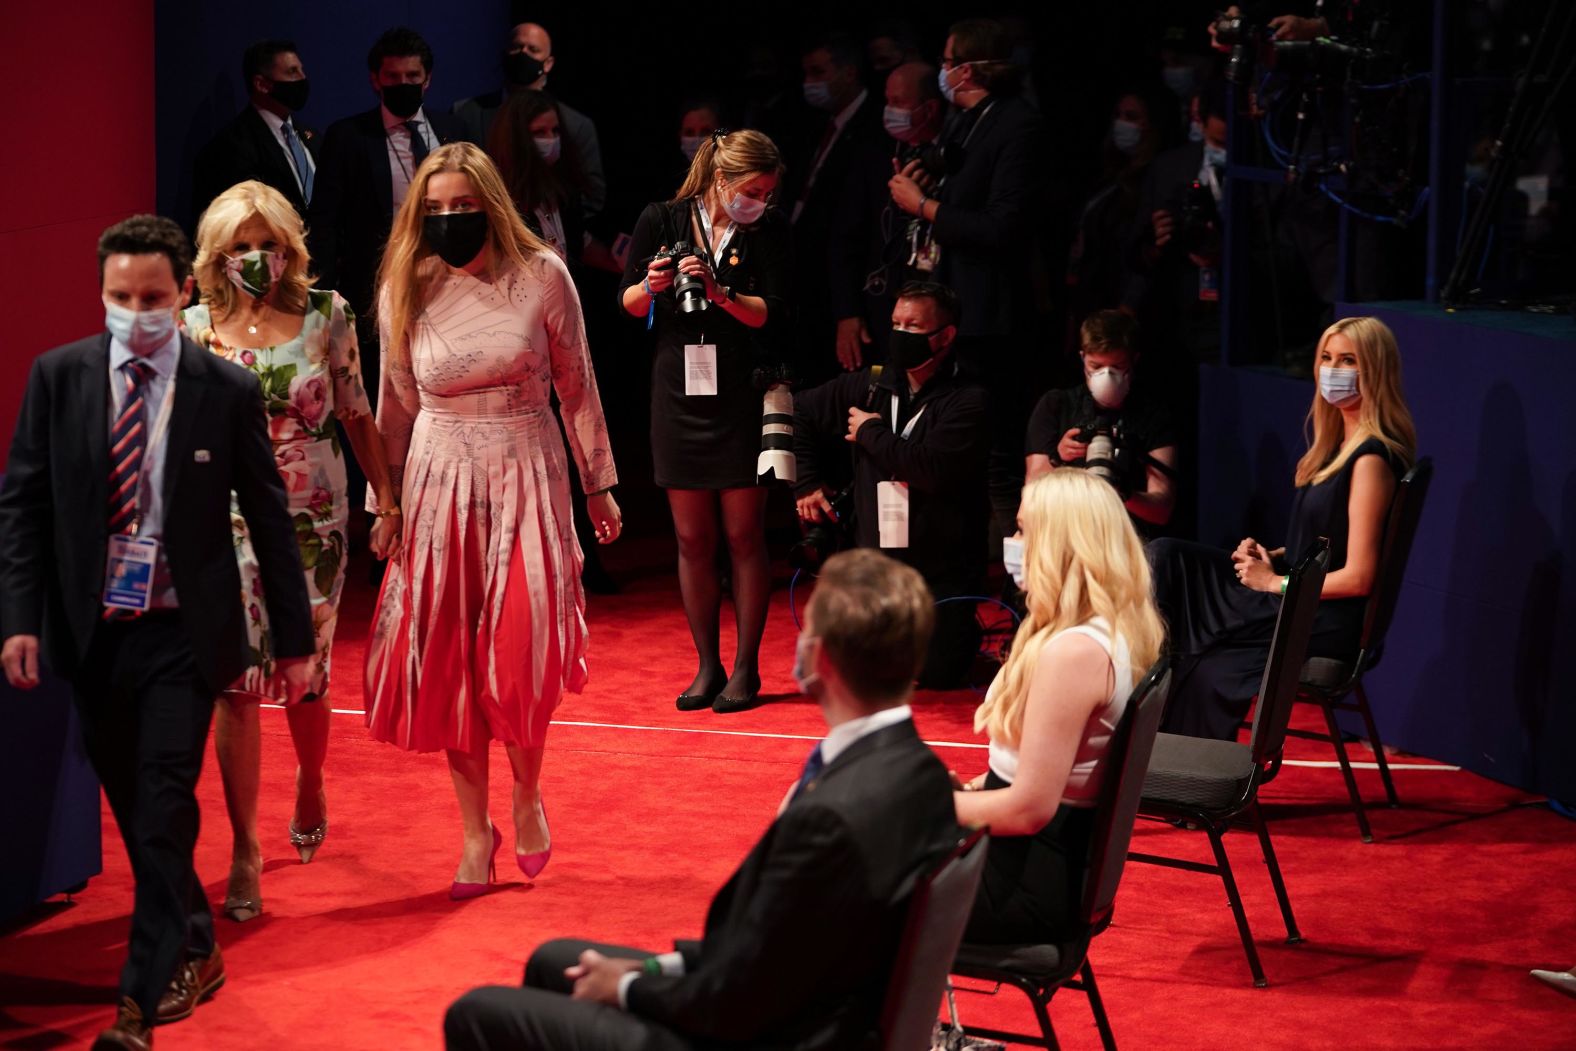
1083,781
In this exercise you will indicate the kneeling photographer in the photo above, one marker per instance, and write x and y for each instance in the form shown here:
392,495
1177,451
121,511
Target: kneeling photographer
917,489
1110,425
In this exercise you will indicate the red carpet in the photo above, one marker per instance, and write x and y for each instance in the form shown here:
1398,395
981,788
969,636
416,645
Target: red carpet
1422,939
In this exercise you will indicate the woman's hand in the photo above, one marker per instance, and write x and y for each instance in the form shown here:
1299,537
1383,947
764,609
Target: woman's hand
974,784
695,266
659,274
1250,550
387,531
605,516
1258,575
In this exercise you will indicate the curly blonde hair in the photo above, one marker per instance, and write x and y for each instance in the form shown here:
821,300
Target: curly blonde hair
231,210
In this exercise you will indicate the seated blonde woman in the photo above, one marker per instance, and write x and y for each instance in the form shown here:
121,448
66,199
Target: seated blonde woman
1091,632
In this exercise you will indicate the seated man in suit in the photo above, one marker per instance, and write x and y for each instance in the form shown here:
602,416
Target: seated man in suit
799,943
263,142
116,549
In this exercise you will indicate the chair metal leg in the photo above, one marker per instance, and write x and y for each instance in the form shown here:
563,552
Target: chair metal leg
1096,1005
1293,935
1042,1013
1235,900
1346,772
1373,735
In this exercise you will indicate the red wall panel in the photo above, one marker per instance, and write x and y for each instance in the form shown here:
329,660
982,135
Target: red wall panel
78,155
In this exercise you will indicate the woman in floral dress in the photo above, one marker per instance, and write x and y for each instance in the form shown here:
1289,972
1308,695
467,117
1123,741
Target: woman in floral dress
258,309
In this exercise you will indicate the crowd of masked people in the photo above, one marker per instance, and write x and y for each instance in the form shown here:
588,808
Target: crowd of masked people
852,312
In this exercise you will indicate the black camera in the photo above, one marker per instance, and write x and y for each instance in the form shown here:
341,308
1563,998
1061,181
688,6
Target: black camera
689,289
932,157
1197,220
825,539
1106,457
1242,37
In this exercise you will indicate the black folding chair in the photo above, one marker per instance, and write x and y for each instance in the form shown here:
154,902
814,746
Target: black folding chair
1336,685
937,913
1210,783
1039,970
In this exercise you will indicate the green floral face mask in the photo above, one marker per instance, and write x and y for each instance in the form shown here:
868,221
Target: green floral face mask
254,272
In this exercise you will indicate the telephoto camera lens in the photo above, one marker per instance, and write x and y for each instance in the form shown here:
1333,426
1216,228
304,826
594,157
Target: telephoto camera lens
1100,459
777,459
688,289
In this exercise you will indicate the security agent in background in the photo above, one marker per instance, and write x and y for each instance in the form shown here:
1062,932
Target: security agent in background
1109,426
920,441
263,142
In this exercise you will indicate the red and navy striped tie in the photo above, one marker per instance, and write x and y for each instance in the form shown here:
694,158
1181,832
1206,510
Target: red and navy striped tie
128,440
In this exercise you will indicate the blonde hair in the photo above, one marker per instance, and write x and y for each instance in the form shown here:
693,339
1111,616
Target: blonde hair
406,271
1082,559
1382,415
228,212
734,154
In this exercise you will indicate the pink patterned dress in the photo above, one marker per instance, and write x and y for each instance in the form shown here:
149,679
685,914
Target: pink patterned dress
480,625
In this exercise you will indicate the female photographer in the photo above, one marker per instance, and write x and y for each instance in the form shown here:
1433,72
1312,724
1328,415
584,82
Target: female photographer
708,307
1221,607
1091,632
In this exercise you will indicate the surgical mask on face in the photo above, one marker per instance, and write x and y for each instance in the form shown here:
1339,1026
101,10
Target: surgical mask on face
949,92
1012,559
690,145
899,123
144,331
1214,156
1339,387
744,210
1109,386
818,93
254,272
402,100
1125,135
1195,131
549,146
803,677
1180,79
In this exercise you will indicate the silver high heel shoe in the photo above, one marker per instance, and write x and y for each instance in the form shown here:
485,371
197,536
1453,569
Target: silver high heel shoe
307,842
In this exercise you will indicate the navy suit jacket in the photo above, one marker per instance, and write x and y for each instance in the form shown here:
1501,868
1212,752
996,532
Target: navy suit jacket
246,149
54,533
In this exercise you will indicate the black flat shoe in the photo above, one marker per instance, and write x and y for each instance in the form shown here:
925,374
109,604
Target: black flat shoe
694,702
725,704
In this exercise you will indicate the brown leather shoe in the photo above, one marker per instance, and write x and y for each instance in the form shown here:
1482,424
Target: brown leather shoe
195,981
129,1032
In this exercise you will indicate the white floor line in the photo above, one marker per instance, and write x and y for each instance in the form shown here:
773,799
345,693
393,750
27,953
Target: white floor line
1315,763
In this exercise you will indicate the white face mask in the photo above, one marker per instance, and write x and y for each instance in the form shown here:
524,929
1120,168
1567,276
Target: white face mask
899,123
1012,559
1339,386
690,144
743,210
549,146
144,331
804,676
948,91
1109,386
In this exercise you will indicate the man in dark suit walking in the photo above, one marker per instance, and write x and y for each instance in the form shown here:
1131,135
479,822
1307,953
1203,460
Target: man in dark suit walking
116,550
263,142
800,942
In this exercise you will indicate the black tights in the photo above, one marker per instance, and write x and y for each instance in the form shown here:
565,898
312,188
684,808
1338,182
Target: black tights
743,522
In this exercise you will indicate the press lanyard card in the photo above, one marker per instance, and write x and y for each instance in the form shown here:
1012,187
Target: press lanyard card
892,513
128,576
1208,285
700,369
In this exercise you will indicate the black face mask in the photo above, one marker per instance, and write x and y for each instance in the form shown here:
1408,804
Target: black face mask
521,68
402,100
457,237
909,350
291,94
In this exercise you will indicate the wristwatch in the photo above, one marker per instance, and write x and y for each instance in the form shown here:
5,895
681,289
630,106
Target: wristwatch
727,292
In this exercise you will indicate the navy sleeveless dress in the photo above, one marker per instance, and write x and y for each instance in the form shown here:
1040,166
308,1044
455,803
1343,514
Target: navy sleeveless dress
1220,631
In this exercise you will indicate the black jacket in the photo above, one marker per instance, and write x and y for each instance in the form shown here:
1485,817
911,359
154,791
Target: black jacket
800,942
353,202
246,149
943,461
987,219
53,528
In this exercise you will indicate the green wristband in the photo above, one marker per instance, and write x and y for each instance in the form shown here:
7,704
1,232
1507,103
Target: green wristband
1284,582
651,966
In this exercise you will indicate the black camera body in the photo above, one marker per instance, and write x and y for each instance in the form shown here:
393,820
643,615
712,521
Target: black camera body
1197,221
824,539
932,157
1107,456
1242,37
689,290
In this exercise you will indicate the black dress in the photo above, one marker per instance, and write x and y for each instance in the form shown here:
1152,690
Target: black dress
710,442
1220,631
1032,886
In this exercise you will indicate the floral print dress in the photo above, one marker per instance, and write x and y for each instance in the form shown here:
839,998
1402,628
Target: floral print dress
306,384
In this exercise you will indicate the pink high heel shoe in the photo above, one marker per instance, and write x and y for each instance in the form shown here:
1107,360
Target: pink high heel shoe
533,864
459,891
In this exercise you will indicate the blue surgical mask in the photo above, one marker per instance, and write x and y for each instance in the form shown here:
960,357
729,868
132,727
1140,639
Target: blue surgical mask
1180,79
744,210
1125,135
144,331
1195,131
949,92
1012,559
690,144
804,678
549,146
1339,387
1214,156
818,93
899,123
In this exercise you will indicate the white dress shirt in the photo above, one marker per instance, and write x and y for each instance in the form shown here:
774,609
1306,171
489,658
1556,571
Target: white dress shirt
397,136
276,124
150,482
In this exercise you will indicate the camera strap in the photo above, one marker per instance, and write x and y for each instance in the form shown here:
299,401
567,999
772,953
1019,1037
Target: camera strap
703,221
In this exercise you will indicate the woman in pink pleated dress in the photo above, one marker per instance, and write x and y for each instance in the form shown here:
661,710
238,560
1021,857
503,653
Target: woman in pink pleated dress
480,626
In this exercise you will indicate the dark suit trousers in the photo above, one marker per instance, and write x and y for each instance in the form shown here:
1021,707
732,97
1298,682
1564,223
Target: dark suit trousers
542,1017
145,715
